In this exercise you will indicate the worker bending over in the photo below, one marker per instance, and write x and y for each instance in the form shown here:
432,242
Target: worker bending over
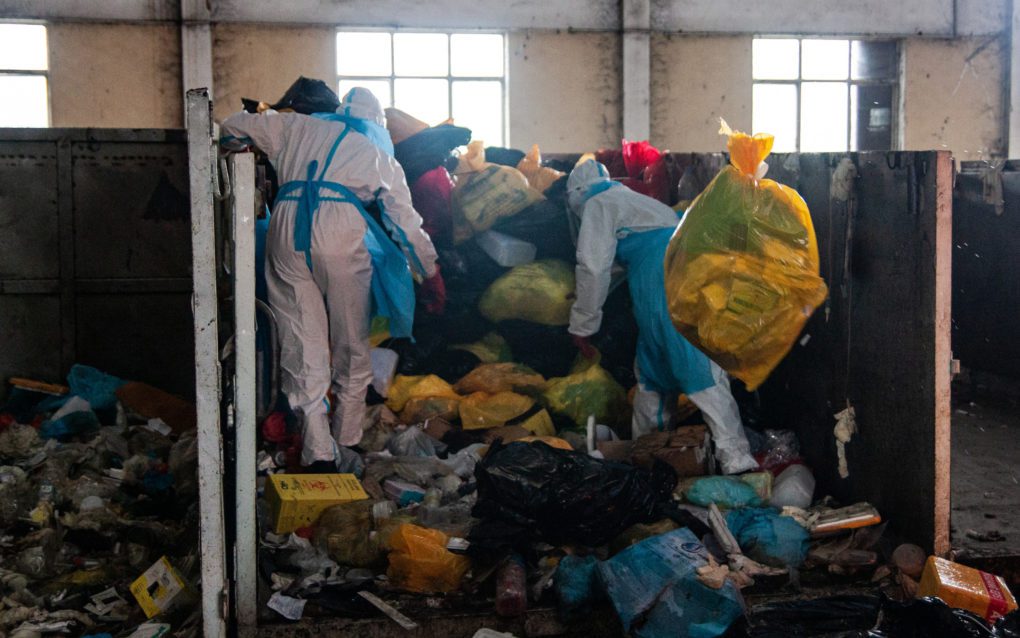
618,223
329,262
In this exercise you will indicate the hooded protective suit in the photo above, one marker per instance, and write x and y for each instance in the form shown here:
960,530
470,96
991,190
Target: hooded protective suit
328,261
618,223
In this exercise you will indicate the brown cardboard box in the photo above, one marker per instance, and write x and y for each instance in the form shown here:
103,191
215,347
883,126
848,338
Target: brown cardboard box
687,450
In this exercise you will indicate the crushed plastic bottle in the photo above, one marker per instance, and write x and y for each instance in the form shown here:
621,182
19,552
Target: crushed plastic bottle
512,588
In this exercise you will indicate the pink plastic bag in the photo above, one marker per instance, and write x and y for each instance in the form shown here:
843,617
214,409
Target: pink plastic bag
431,198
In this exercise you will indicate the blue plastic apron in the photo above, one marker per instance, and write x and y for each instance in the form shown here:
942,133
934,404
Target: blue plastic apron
392,286
376,134
666,362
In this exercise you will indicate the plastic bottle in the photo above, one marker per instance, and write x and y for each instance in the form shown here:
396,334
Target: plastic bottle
794,487
512,588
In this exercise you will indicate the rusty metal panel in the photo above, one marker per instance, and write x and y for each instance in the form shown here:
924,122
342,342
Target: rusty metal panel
29,326
28,210
131,215
147,337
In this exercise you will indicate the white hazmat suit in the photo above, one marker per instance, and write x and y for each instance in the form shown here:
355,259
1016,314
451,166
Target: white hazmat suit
322,295
618,223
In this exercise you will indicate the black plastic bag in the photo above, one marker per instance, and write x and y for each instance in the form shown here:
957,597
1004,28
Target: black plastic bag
534,492
933,618
503,156
429,149
545,225
308,96
547,350
820,616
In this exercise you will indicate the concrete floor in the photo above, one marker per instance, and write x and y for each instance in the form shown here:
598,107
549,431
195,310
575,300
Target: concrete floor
986,469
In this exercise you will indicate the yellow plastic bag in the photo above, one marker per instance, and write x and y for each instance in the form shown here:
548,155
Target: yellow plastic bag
587,390
405,388
419,410
741,270
379,331
541,292
551,441
482,198
501,377
483,410
539,177
492,348
539,424
420,562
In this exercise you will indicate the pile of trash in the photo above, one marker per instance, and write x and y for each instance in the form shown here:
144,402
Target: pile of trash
98,509
494,470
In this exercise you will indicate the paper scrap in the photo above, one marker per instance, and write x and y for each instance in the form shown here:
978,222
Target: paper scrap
289,608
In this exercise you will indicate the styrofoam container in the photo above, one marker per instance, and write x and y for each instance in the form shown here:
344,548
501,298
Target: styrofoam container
505,250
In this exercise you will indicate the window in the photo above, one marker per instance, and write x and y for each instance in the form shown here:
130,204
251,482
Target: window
432,76
24,94
825,95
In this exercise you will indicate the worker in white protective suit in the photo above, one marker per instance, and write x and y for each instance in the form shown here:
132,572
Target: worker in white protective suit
329,263
618,223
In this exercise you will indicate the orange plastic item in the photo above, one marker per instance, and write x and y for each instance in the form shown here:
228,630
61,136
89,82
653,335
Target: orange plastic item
966,588
420,562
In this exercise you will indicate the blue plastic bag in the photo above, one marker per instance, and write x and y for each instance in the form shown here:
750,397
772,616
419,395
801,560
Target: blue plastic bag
725,491
768,537
576,584
98,388
655,589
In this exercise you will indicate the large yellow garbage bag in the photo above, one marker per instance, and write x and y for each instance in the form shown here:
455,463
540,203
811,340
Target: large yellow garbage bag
539,177
541,292
482,410
481,199
741,270
492,348
501,377
588,389
406,387
420,562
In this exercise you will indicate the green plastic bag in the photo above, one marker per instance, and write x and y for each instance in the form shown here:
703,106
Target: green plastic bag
588,389
540,292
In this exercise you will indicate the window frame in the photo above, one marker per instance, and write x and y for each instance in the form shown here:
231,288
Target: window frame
44,73
893,82
449,77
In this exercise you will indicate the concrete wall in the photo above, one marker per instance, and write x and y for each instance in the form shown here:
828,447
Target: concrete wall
695,81
564,90
954,95
260,62
115,76
564,87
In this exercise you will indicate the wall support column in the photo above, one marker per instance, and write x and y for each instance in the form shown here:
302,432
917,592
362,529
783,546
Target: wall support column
637,77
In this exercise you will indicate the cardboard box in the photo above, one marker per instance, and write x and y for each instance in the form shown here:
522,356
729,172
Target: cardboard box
296,500
966,588
688,450
158,588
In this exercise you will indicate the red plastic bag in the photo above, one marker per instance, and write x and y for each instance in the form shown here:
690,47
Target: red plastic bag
637,156
431,198
612,159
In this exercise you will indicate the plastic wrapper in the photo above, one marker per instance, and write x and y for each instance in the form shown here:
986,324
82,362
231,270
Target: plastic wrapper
767,537
414,442
540,292
588,390
483,410
420,562
539,177
533,491
482,198
501,377
345,532
98,388
655,590
741,271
